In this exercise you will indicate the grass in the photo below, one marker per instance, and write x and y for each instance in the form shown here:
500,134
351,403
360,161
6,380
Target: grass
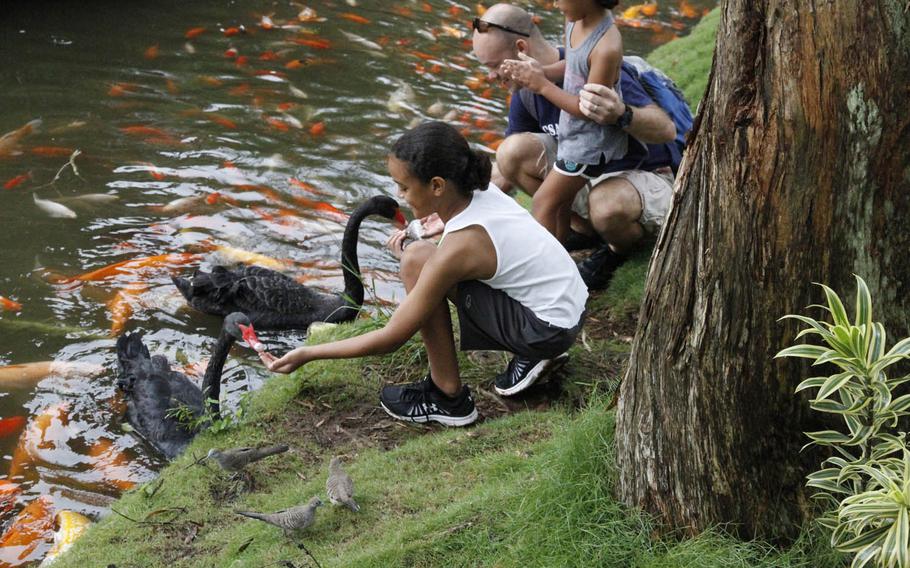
530,486
687,60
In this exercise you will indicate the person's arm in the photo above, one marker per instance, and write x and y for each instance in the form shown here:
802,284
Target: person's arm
454,262
555,71
650,123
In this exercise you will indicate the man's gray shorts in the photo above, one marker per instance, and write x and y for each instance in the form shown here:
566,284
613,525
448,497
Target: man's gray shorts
492,320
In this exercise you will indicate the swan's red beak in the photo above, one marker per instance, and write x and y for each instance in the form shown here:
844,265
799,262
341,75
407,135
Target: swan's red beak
400,220
249,335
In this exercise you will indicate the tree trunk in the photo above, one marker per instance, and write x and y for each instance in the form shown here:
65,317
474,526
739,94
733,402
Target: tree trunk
797,172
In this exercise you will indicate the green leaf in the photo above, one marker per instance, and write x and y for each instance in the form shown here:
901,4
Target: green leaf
805,351
836,306
828,437
877,345
812,382
833,384
829,406
865,555
894,546
901,348
874,536
882,395
863,303
814,326
829,486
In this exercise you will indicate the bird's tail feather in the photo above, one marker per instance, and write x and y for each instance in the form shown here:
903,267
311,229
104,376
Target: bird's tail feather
352,505
252,515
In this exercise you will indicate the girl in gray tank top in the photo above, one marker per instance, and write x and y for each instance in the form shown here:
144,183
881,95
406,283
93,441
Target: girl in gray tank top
585,147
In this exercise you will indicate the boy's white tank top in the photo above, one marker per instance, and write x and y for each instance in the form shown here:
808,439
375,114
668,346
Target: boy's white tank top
532,267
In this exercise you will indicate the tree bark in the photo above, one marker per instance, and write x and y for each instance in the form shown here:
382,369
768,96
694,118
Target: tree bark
797,172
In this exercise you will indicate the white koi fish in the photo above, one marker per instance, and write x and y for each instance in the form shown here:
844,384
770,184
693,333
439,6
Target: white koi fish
53,209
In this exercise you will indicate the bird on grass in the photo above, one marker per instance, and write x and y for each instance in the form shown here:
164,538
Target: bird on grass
292,520
234,460
339,486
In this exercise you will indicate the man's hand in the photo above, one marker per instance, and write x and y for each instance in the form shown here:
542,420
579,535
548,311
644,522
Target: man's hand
291,361
526,72
600,104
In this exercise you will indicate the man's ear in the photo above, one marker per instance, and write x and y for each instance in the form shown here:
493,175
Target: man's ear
522,46
437,184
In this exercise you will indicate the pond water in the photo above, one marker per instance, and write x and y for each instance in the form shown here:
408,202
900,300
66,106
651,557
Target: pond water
267,120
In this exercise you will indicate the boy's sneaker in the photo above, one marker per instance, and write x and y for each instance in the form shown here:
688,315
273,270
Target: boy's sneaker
597,270
422,401
523,372
580,241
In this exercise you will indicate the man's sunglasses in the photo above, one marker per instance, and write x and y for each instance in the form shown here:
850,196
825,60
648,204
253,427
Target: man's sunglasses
484,26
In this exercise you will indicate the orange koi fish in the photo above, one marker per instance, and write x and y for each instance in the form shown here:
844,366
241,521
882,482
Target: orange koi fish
154,171
112,464
317,129
211,81
354,18
121,307
277,124
231,52
403,11
10,305
11,426
649,10
232,254
9,491
317,43
25,374
134,264
194,32
213,198
268,56
426,7
29,533
141,130
294,64
151,52
121,89
51,151
233,30
13,182
222,120
241,61
284,107
239,90
318,205
454,11
9,142
687,10
269,193
305,186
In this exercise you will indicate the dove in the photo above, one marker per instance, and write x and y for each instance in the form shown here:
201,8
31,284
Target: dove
238,458
294,519
340,487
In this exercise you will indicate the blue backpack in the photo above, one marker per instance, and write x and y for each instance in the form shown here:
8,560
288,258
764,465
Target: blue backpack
668,97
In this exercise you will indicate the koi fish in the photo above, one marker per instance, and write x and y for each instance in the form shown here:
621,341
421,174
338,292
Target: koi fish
70,525
18,180
354,38
354,18
454,11
241,61
112,464
268,56
307,15
26,374
319,206
151,52
11,426
306,187
231,52
194,32
277,124
91,198
9,491
687,10
239,90
222,121
299,93
51,151
180,205
134,264
317,129
54,209
29,532
10,305
232,254
233,30
403,11
9,142
318,43
121,89
121,307
266,23
141,130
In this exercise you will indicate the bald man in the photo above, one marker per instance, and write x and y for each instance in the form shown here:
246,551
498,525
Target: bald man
625,205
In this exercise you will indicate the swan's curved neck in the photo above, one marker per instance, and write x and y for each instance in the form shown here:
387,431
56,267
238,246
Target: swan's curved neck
350,265
211,382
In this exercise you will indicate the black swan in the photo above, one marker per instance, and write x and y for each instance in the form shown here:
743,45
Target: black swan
275,301
154,391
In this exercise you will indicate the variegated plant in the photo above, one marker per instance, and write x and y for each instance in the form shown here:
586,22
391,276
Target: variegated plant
867,484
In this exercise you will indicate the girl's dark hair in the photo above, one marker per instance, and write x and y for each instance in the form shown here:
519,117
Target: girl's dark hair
437,149
609,4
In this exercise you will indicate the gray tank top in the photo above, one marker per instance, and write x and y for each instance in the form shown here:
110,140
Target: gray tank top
581,140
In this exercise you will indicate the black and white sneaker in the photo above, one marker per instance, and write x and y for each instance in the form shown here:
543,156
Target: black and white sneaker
422,401
523,372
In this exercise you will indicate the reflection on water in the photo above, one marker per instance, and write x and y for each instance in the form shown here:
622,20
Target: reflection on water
182,135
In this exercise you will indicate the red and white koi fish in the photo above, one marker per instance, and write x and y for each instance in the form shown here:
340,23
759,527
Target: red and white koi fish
9,142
